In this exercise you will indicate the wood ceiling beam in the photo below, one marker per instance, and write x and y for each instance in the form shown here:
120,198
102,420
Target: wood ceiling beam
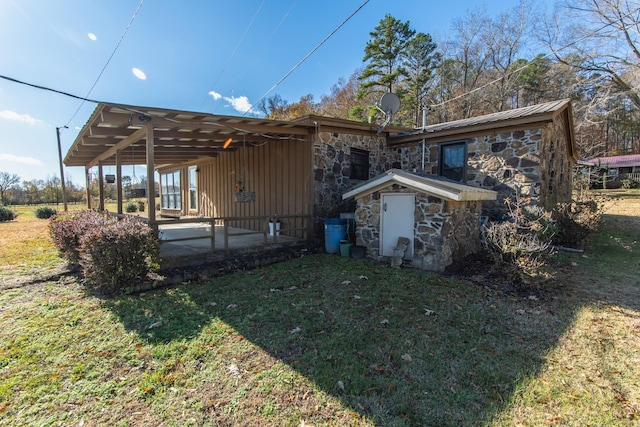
97,131
136,136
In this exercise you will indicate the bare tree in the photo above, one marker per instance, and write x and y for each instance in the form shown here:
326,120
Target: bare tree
605,35
506,38
470,57
7,181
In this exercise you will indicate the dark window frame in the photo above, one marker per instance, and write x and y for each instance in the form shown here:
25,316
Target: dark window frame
452,172
359,162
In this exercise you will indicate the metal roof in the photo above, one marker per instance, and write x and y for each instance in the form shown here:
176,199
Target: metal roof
495,123
434,185
627,160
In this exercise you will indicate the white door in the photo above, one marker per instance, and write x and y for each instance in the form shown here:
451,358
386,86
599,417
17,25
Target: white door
396,220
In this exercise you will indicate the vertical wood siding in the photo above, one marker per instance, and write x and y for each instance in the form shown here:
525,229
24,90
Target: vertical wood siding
280,174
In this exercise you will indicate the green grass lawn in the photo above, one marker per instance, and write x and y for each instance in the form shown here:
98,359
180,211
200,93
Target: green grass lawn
325,340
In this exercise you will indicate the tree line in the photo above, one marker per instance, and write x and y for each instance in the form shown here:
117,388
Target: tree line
37,191
15,191
587,50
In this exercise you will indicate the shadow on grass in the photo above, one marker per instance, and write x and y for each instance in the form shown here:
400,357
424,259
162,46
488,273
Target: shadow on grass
400,347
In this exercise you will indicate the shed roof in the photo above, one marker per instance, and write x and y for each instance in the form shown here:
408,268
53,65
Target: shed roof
433,185
503,121
627,160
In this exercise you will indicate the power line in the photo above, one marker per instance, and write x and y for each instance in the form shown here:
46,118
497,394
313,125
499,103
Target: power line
35,86
133,17
308,55
235,49
132,110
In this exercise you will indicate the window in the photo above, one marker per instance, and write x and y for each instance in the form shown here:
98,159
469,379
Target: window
453,160
193,188
359,164
170,188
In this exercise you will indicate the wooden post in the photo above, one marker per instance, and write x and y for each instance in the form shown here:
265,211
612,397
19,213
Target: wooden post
225,225
119,180
87,177
151,187
101,188
213,234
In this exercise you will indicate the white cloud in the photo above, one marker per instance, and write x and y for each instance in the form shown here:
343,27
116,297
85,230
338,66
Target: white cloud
19,159
216,96
24,118
240,103
139,73
92,36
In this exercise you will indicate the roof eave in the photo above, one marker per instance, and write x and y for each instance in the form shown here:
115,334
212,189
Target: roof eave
432,188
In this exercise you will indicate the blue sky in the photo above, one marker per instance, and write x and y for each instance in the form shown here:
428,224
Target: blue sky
215,56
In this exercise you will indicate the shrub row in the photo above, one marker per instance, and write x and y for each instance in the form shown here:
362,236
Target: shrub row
113,253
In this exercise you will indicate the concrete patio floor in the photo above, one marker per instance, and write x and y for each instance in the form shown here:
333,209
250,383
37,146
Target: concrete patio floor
199,251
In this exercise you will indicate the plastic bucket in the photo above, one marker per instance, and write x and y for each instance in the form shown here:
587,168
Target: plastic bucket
345,247
358,252
334,231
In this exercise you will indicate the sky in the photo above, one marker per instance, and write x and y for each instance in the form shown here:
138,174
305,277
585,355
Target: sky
213,56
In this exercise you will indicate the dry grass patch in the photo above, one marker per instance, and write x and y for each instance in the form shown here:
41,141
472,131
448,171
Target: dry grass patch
26,247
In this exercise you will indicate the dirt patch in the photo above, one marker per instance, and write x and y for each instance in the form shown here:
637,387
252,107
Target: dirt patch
52,275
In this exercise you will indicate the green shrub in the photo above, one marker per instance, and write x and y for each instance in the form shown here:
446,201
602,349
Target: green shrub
45,212
131,207
7,214
115,256
67,228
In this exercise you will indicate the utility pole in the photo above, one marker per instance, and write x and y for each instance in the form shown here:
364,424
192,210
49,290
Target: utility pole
64,190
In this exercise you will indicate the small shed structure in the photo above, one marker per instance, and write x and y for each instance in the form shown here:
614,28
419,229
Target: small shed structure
437,218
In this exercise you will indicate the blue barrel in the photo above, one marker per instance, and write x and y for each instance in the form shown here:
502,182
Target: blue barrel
335,229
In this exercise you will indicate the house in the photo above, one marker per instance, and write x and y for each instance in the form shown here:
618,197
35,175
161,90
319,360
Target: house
615,168
242,172
526,152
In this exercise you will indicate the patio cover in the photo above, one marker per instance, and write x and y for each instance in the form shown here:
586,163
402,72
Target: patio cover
179,136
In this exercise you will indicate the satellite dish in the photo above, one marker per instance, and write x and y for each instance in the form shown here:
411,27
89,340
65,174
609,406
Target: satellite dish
390,103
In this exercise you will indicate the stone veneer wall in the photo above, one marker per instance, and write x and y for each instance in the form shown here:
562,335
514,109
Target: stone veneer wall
444,231
332,170
555,167
530,163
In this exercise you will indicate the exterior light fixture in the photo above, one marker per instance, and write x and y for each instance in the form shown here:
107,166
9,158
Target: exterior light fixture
227,142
